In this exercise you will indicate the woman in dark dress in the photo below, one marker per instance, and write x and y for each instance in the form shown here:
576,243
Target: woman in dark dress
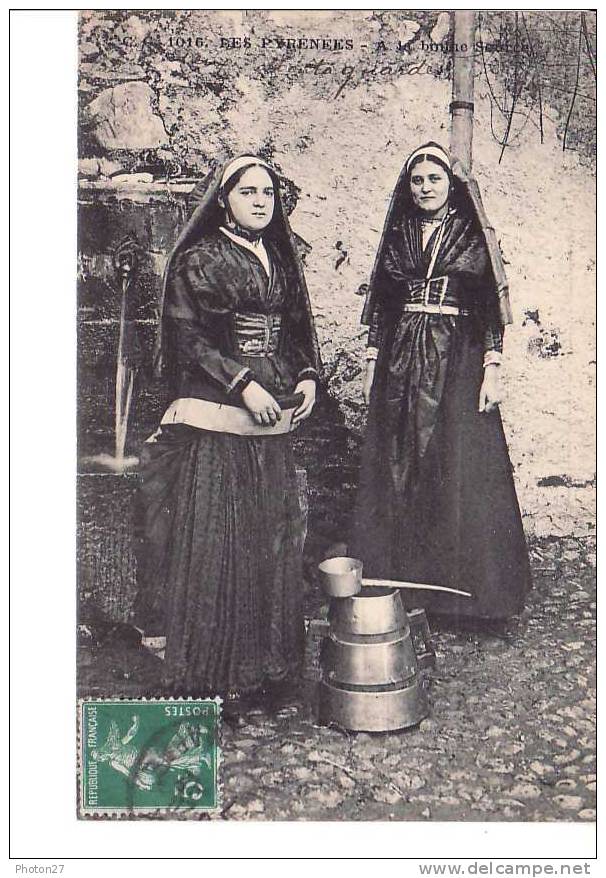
437,502
219,564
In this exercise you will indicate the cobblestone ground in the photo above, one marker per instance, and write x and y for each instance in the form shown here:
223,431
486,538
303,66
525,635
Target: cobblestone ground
511,734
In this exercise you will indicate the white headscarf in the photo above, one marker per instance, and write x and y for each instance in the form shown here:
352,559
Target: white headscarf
434,151
242,161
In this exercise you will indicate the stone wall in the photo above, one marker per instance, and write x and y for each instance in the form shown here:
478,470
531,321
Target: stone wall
151,216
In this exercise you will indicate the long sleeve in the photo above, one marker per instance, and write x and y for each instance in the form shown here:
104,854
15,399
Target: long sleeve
305,358
196,317
390,276
375,334
303,351
493,338
493,332
395,279
308,372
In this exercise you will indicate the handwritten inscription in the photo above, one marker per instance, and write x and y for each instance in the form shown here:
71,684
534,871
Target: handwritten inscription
381,60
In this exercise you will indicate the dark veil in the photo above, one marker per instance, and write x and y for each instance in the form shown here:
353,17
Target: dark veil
465,197
206,217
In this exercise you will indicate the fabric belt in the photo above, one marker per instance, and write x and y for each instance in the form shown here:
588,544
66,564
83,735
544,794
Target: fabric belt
219,418
257,335
429,296
453,310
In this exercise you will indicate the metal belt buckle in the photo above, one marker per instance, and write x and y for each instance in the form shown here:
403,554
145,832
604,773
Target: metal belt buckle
275,325
416,287
443,285
440,287
252,346
257,334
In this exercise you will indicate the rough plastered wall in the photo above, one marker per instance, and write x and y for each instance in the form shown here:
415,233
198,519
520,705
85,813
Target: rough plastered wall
344,154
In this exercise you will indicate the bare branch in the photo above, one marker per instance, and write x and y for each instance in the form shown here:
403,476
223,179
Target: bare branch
576,86
538,75
587,45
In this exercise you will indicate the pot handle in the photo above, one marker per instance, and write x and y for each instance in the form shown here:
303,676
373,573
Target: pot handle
414,586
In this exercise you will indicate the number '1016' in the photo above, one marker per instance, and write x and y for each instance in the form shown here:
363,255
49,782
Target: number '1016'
185,42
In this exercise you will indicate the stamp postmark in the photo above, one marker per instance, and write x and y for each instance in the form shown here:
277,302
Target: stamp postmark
139,756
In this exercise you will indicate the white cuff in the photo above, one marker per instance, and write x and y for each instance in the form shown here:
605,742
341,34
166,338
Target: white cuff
372,353
308,373
235,382
493,358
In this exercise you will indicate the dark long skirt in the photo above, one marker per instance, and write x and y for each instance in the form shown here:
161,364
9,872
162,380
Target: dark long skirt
437,502
220,558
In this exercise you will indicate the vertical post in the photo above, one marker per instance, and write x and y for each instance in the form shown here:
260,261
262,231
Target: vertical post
125,262
461,107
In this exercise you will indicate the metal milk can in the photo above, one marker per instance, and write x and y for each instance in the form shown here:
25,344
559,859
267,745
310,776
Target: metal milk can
370,679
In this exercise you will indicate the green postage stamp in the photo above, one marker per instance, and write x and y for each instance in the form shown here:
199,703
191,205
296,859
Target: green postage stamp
139,756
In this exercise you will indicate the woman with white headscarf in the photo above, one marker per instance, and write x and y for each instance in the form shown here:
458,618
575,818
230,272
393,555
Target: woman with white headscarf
220,547
437,502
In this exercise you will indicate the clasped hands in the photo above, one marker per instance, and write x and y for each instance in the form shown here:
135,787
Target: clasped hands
266,410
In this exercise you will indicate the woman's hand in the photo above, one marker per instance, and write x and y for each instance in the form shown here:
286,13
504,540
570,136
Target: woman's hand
261,404
308,389
490,392
369,377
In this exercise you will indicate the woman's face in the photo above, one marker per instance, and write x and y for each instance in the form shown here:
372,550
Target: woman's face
429,186
251,201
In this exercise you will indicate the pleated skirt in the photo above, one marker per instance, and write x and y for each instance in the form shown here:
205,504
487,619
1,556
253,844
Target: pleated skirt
219,542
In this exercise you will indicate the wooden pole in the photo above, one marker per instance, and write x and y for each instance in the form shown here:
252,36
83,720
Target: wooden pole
461,138
461,107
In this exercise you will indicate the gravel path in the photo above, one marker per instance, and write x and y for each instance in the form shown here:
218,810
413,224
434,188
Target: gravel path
511,734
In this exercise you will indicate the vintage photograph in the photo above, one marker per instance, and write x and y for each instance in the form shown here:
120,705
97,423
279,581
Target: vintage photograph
336,415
